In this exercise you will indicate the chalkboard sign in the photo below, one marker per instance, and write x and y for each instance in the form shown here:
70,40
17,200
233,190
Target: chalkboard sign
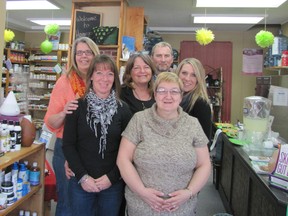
84,23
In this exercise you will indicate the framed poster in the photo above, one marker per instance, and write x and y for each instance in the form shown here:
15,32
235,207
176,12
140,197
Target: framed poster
84,23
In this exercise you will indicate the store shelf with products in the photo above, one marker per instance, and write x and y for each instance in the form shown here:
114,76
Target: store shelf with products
15,62
214,82
34,200
42,79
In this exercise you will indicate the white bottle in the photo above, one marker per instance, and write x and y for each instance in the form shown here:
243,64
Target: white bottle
27,213
34,214
21,213
18,137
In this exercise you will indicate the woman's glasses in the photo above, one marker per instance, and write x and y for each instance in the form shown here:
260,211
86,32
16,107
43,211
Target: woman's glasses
87,52
173,92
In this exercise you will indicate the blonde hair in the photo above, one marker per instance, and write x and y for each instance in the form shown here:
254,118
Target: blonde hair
91,44
200,90
169,77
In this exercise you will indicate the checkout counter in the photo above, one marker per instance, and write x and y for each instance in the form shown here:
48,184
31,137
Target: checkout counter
242,190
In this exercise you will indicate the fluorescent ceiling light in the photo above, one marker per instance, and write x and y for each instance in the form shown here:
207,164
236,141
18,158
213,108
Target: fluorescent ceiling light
240,4
60,22
227,19
30,5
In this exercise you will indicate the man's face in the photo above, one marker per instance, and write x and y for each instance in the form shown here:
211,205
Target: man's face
162,58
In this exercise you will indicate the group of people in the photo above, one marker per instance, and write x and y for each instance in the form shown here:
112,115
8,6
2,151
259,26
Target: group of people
150,134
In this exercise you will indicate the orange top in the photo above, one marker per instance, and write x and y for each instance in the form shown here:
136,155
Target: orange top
61,94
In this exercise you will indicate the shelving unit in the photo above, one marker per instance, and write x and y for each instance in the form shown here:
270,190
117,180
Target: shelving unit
130,21
34,200
42,79
279,70
215,92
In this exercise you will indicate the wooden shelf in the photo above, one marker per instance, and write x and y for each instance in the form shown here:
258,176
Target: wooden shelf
34,200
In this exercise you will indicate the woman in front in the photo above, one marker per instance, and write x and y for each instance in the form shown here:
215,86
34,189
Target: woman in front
91,140
163,156
195,100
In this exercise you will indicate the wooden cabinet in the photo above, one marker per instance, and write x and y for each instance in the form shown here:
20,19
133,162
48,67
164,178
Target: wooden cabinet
34,200
42,79
242,190
130,21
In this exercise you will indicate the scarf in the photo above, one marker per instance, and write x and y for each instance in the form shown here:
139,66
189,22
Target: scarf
77,84
100,111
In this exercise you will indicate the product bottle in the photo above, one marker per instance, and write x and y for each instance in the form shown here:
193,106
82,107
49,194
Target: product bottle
12,140
21,213
27,213
18,137
22,172
28,169
34,174
14,176
34,214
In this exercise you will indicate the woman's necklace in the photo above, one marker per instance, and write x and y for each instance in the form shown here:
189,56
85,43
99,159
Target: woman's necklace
137,96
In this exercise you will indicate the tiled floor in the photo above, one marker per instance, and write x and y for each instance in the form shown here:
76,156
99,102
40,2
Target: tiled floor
209,202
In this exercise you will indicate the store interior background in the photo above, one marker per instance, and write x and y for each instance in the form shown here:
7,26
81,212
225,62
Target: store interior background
242,85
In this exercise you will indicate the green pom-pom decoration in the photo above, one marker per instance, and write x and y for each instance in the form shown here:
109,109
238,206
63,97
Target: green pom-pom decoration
204,36
264,39
8,35
46,46
51,29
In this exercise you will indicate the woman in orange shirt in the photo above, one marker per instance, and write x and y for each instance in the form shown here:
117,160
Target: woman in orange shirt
69,87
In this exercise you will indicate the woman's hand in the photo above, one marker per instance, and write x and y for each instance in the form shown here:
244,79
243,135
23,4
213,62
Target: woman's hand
176,199
89,185
68,172
70,106
153,198
102,183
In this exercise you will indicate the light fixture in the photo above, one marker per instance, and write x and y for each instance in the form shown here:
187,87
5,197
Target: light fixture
227,19
60,22
30,5
174,29
240,4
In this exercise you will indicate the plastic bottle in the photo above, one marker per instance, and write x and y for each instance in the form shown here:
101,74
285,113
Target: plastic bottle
21,213
27,213
14,172
17,132
34,214
22,172
28,169
34,174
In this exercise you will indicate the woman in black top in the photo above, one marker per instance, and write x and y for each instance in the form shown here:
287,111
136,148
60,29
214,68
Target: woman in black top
195,101
137,88
91,139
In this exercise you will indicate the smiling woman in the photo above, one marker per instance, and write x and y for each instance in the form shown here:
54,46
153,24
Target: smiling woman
163,156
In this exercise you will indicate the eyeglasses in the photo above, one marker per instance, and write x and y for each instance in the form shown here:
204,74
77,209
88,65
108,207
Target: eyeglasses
87,52
173,92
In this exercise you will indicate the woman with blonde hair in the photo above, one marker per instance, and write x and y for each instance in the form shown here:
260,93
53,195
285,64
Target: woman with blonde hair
195,100
69,87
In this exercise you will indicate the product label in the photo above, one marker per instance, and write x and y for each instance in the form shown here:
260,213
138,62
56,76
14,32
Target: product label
34,177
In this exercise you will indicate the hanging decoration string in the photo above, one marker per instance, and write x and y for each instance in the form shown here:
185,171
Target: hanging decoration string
264,38
203,35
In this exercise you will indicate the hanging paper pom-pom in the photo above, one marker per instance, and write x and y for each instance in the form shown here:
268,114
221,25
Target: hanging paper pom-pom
51,29
8,35
264,39
46,46
204,36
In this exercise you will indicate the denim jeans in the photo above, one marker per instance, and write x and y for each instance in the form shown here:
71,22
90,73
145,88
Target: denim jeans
63,207
104,203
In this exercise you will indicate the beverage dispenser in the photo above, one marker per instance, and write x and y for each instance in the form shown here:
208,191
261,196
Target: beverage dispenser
256,111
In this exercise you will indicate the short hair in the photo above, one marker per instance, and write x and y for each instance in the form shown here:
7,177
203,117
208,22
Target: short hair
108,62
91,44
169,77
127,78
162,44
